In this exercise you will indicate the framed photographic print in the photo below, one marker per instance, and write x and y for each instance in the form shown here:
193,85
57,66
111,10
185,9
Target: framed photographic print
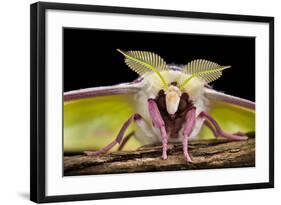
129,102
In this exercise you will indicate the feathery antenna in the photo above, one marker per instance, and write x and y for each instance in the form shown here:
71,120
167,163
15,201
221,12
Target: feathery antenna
142,62
206,70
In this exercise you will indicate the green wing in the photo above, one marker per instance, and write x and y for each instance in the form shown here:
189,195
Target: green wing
93,117
233,114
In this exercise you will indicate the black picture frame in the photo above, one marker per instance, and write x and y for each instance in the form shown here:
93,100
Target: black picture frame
38,101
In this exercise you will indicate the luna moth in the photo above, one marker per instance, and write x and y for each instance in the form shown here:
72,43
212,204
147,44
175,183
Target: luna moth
167,103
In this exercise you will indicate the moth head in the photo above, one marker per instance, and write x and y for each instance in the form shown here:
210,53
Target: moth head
144,62
172,95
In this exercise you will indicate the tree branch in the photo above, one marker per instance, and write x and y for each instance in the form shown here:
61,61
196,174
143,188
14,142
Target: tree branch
206,154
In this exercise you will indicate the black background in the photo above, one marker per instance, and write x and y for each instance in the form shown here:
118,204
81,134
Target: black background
91,59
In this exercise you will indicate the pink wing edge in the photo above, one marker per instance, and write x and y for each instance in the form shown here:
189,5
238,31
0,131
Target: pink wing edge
124,88
220,96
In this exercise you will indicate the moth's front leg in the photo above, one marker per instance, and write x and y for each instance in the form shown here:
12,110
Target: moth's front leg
190,120
159,123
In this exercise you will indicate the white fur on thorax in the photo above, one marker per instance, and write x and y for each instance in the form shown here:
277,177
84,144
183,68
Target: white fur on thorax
151,85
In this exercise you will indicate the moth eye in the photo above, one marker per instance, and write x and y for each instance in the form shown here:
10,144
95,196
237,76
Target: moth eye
183,102
161,101
182,105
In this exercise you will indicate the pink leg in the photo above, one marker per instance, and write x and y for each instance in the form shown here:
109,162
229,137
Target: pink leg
220,132
125,140
158,122
210,126
190,120
118,139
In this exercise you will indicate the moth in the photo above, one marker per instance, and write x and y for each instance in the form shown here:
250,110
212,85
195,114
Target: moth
167,103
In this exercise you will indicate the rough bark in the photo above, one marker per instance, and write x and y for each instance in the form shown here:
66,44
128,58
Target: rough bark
206,154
